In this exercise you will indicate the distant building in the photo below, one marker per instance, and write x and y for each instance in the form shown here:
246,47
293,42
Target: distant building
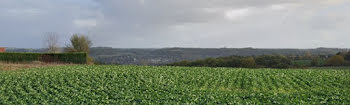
2,49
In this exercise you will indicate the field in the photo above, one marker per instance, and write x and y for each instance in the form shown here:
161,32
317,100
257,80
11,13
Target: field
80,84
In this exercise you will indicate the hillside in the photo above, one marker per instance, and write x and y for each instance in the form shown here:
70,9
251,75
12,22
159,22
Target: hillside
169,55
173,85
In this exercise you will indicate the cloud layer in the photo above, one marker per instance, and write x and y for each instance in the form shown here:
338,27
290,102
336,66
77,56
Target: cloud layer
180,23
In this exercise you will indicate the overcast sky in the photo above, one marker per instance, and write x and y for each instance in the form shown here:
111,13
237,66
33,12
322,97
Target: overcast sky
179,23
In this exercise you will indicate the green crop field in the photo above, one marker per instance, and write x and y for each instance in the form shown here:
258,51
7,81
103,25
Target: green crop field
173,85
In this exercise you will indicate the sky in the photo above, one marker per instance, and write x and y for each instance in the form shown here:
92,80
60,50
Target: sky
178,23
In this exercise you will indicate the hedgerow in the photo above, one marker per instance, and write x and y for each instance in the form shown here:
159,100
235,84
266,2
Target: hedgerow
79,58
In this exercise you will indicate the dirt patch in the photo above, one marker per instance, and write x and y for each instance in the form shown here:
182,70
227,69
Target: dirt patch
17,66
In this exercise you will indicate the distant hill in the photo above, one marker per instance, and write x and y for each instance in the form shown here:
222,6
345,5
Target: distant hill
162,56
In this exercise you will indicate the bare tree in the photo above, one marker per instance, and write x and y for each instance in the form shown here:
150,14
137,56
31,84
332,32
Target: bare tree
51,42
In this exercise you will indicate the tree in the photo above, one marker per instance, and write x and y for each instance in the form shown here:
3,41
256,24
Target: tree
342,54
248,62
347,56
315,61
51,42
307,55
336,60
79,43
271,61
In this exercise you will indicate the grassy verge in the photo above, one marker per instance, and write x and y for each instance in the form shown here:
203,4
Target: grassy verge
335,68
17,66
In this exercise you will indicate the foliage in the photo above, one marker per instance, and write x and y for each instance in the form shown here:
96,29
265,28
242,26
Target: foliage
170,55
232,61
173,85
301,63
162,56
248,62
268,61
347,56
315,61
90,60
273,61
307,55
342,54
336,60
79,43
79,58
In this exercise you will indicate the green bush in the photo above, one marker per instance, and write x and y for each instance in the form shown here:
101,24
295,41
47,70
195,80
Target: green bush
271,61
76,58
302,63
248,62
336,61
231,61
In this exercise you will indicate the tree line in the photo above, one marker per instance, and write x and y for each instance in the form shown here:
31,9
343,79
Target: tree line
271,61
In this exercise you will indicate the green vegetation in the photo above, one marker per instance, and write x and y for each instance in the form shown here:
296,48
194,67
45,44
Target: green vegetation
272,61
173,85
265,61
231,61
151,56
79,43
77,58
303,63
336,61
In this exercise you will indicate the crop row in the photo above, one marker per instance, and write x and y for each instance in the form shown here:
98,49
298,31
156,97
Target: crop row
173,85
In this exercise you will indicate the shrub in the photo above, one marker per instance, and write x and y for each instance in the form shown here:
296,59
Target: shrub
315,62
336,60
347,56
90,60
77,58
248,62
271,61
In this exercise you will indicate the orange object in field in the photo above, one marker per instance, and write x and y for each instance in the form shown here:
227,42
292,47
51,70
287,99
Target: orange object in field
2,49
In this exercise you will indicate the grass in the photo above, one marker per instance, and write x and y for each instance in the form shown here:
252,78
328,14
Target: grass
80,84
17,66
334,68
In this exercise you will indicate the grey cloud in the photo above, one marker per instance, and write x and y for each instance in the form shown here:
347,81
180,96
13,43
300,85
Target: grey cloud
184,23
202,23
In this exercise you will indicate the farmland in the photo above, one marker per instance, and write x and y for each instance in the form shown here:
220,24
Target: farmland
81,84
